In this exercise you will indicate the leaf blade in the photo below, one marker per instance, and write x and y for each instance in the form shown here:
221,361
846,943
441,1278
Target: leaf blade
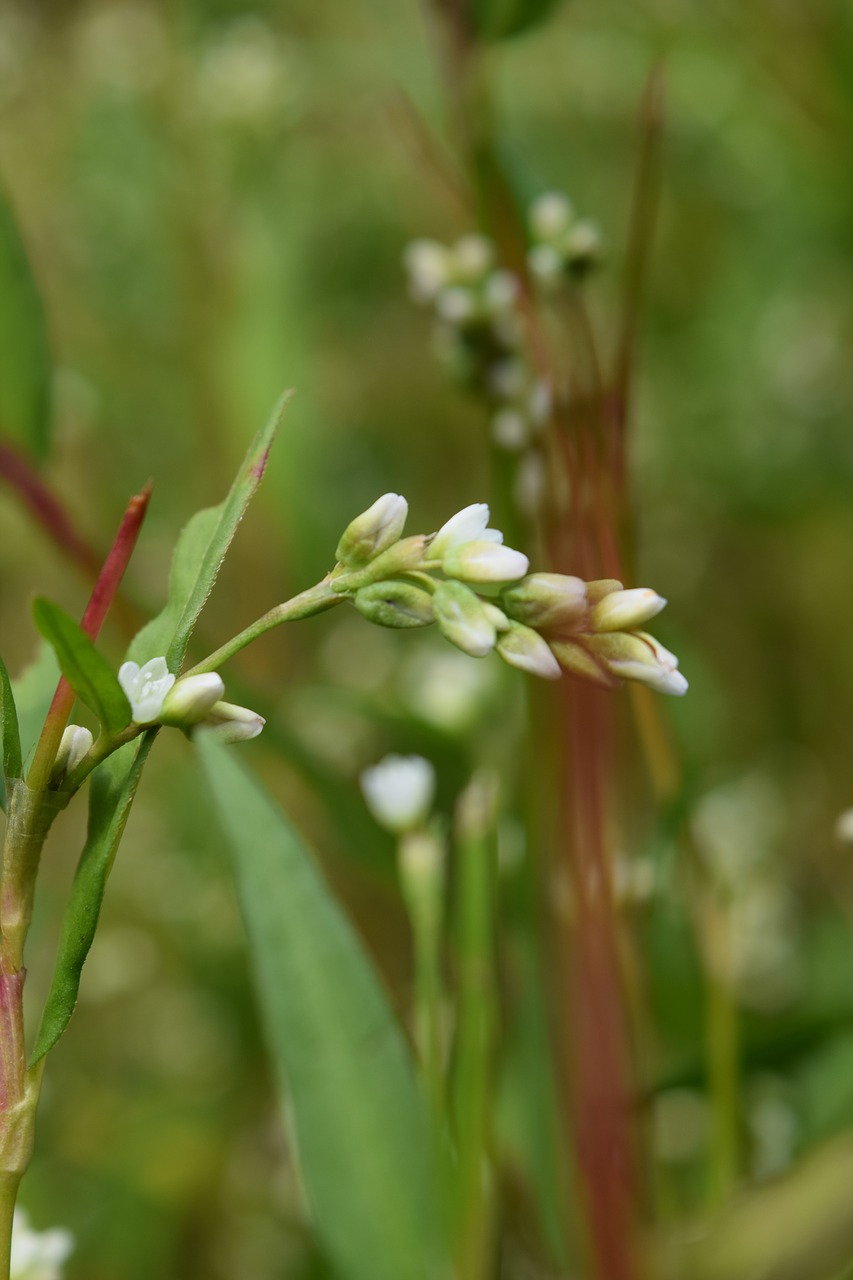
360,1128
112,793
199,554
86,670
10,735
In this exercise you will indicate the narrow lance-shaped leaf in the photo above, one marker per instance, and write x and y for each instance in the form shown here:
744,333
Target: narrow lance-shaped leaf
359,1123
9,734
113,788
198,557
25,362
87,671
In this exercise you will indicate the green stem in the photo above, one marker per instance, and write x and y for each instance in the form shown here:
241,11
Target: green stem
305,605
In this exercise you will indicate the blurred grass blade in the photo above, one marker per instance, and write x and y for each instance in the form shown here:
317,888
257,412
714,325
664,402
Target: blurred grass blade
9,734
87,671
499,19
25,363
359,1121
113,788
198,557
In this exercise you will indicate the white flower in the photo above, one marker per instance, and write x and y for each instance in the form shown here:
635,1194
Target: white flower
399,791
456,305
509,429
191,699
428,265
468,525
37,1255
484,562
545,263
551,215
500,292
473,255
146,688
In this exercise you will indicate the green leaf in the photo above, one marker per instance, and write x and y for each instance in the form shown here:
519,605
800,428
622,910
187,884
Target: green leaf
113,788
198,557
25,363
34,690
360,1128
87,671
500,19
10,736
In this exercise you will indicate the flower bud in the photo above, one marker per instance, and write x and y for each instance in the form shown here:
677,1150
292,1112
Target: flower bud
602,587
421,866
484,562
463,620
405,556
626,610
428,265
74,745
578,661
547,601
637,656
371,533
395,604
145,688
551,215
228,723
399,791
191,699
473,255
524,648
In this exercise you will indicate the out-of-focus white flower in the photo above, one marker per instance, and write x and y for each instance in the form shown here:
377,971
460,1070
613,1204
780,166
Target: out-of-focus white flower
473,256
191,699
551,215
145,688
530,483
545,263
500,292
75,744
428,264
509,430
456,304
38,1255
399,791
844,826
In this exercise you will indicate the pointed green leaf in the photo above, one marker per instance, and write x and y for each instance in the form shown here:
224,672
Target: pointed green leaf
359,1124
25,363
34,689
198,557
9,734
87,671
112,791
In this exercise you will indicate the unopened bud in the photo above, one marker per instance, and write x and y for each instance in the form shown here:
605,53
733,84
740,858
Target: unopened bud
546,601
371,533
75,743
399,791
421,865
626,610
395,604
551,215
484,562
602,587
524,648
404,556
228,723
578,661
637,656
428,264
463,620
473,255
191,699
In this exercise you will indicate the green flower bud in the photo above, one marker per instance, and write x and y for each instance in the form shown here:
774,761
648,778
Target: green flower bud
578,661
462,619
524,648
395,604
602,587
75,744
547,601
228,723
374,531
626,610
637,656
404,556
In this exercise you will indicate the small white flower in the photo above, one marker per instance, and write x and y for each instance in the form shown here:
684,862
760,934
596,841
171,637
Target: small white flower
500,292
399,791
468,525
38,1255
428,265
146,688
551,215
456,305
473,255
545,263
509,430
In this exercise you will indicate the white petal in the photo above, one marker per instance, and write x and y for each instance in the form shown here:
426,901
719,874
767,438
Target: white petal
468,525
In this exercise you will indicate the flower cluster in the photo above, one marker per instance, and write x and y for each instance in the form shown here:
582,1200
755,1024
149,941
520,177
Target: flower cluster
563,245
37,1255
542,623
156,696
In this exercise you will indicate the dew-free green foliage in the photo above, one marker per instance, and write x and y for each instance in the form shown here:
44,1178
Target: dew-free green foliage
10,737
25,362
199,554
86,670
112,792
345,1071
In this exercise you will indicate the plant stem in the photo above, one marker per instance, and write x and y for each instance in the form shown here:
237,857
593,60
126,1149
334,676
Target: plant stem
305,605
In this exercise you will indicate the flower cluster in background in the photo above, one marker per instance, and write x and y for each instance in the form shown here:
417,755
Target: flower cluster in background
38,1255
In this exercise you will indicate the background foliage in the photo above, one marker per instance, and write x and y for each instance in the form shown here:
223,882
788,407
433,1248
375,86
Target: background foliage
215,198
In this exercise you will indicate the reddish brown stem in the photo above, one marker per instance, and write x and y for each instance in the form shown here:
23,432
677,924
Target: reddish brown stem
46,508
93,619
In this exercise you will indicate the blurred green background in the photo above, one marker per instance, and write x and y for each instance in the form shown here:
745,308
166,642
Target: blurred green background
215,198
